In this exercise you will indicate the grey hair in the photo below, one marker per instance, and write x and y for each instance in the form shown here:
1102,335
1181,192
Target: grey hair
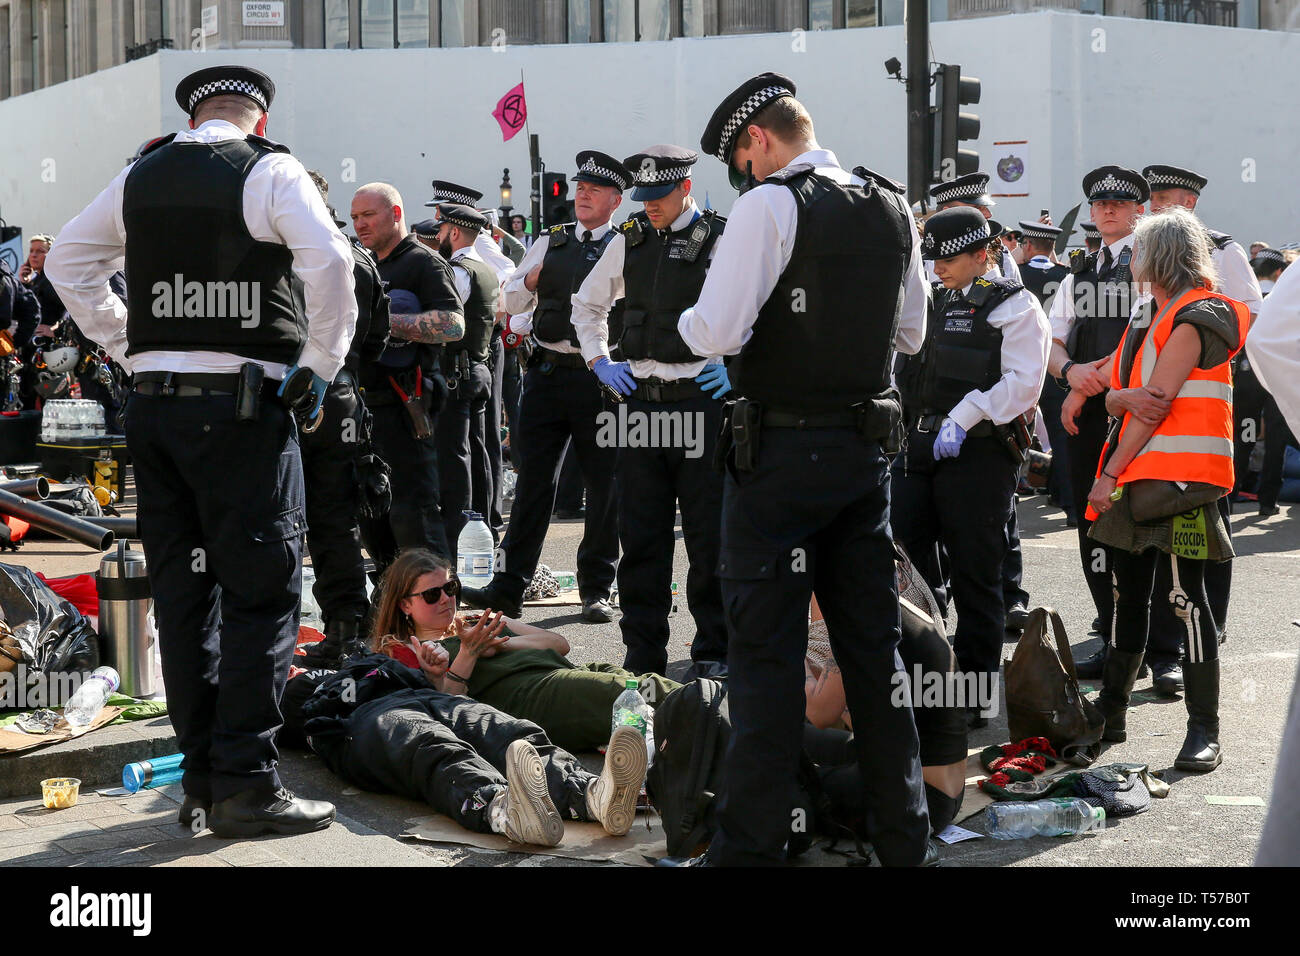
1172,249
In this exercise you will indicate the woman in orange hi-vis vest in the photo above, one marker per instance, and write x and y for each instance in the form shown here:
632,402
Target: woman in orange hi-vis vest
1179,346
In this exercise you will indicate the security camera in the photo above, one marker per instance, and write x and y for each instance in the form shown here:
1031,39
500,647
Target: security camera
893,67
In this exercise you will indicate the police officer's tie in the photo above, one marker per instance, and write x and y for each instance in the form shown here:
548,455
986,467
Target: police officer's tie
1106,263
586,235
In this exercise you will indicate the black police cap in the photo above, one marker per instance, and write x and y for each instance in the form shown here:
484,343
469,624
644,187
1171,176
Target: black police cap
1117,183
601,169
448,192
1174,177
467,217
221,80
734,112
951,232
657,170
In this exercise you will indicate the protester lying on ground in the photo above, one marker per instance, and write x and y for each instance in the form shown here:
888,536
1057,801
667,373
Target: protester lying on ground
381,726
513,666
941,723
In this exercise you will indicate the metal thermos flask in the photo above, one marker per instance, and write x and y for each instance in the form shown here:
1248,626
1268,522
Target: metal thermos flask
125,636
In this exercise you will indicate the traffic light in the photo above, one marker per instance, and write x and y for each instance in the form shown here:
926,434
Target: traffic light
556,207
952,91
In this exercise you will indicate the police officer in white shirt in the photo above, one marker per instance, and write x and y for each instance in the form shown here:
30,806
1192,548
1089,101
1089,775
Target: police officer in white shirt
816,282
973,190
211,331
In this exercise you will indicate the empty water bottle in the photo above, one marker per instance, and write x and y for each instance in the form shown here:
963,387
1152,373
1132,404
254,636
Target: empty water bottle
1057,816
631,709
309,611
84,706
474,549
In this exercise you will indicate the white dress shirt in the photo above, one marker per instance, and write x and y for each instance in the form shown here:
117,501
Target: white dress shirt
281,205
1266,286
1008,265
1273,345
1062,315
604,286
520,302
1026,343
1236,278
490,253
754,251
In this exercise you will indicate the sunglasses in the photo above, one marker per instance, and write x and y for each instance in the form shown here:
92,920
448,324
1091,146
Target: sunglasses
434,595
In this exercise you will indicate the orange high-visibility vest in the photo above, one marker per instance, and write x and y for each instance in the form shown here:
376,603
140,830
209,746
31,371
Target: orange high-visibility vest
1194,442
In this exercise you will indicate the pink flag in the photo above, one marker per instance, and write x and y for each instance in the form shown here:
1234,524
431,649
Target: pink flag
511,112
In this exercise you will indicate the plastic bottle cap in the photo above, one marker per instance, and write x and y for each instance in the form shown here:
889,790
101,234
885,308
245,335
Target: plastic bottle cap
630,682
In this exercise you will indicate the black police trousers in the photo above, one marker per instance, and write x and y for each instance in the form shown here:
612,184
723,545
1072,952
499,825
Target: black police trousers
333,499
813,514
1085,452
415,518
560,406
962,503
652,483
462,454
492,418
220,507
1249,401
1058,478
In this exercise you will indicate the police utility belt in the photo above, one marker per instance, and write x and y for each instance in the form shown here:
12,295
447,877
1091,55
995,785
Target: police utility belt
248,386
877,419
456,367
1015,437
547,360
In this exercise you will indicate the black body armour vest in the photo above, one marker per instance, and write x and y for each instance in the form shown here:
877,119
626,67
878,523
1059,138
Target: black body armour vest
961,351
824,340
567,263
662,277
196,279
1043,283
479,310
1101,307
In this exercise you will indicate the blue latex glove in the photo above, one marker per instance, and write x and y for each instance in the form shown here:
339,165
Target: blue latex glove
715,376
617,375
948,444
317,390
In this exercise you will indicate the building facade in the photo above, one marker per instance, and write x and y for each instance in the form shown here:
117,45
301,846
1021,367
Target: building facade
43,42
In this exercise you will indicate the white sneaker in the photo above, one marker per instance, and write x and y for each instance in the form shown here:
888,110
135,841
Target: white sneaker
611,798
529,814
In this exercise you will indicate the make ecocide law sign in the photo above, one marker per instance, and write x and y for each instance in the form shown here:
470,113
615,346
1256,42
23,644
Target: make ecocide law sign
264,13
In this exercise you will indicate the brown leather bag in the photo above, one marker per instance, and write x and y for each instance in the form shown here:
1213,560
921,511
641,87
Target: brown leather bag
1043,698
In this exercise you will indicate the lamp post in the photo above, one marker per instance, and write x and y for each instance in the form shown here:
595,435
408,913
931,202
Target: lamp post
505,196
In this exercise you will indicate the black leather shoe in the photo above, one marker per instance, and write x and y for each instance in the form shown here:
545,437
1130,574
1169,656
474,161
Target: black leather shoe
596,611
1267,511
569,514
1090,668
255,812
1166,678
342,641
490,598
932,857
701,860
707,670
1017,617
192,808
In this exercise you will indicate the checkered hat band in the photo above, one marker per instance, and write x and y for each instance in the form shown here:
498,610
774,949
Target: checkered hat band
227,86
950,247
1113,184
672,174
964,191
594,169
1271,255
752,104
1031,233
442,195
1170,181
464,224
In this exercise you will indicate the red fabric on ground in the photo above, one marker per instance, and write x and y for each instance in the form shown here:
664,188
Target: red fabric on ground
79,590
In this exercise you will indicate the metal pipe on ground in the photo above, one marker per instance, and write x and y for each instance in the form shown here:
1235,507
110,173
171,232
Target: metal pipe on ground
121,527
55,521
37,489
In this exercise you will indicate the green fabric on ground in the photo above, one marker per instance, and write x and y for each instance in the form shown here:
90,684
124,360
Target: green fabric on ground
572,704
135,710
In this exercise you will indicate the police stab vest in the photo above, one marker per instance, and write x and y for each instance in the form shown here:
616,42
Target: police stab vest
1043,283
662,277
568,261
479,310
962,351
824,339
196,278
1101,306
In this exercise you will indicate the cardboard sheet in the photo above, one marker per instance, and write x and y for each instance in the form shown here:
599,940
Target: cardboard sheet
582,841
15,741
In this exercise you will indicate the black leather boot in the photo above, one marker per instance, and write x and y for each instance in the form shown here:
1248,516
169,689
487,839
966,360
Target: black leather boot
491,597
1090,668
1118,675
342,640
1201,752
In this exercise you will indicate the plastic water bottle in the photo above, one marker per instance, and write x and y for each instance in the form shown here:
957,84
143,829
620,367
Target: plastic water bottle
309,612
84,706
155,772
474,552
631,709
1057,816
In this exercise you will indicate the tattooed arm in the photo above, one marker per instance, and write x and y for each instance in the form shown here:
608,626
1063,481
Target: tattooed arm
433,327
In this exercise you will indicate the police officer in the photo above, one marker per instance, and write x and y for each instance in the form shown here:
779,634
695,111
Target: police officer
807,486
656,263
562,401
1176,186
973,190
465,475
1088,317
1091,236
330,455
402,390
216,459
981,368
1043,275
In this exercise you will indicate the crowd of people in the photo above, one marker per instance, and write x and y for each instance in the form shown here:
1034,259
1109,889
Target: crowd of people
367,400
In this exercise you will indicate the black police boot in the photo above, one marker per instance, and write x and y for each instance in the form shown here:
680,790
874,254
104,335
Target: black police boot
342,641
1017,617
1201,752
194,808
254,812
1167,677
492,598
1118,676
1090,668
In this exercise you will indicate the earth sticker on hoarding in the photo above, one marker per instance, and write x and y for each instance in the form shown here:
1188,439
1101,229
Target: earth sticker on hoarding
1011,168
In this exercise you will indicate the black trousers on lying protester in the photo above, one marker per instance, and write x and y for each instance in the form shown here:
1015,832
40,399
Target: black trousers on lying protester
445,750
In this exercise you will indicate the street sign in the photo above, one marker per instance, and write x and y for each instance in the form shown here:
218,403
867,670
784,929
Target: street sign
210,28
263,13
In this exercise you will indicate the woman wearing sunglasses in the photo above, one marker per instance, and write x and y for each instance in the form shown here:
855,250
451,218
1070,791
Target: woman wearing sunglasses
510,665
